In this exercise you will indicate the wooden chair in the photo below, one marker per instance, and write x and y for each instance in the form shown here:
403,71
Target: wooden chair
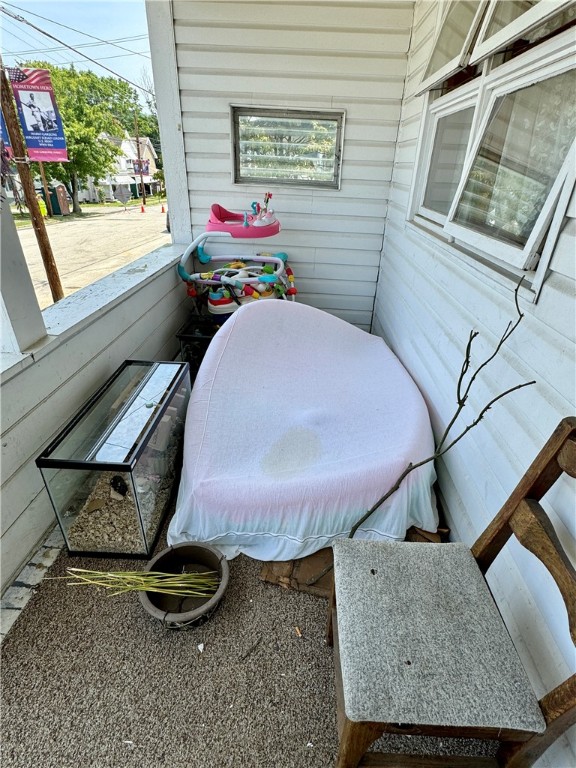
420,647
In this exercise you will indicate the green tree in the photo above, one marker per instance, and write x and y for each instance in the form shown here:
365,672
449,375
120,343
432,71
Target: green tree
90,106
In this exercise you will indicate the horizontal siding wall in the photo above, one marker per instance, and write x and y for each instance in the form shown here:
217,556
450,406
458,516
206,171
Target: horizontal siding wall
349,56
40,397
429,298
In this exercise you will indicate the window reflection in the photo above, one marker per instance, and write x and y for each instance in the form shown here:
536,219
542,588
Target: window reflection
527,139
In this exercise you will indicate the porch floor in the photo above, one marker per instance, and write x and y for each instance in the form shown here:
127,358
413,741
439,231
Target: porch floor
16,597
92,681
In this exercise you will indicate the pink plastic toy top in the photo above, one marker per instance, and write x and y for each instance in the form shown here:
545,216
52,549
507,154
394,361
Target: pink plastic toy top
263,224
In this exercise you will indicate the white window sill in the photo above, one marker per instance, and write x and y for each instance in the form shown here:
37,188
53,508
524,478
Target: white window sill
71,315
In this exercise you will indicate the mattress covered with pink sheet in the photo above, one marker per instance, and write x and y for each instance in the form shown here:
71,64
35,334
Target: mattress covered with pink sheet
297,424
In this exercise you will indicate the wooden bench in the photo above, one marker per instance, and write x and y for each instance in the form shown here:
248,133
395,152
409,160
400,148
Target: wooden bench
421,649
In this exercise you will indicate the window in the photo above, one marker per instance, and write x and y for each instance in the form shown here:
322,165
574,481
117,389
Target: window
497,151
522,149
447,160
287,146
453,41
470,30
522,20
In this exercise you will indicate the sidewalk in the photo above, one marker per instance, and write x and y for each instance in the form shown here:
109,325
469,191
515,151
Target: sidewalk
87,249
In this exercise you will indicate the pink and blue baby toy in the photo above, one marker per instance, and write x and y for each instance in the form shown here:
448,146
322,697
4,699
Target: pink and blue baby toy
238,281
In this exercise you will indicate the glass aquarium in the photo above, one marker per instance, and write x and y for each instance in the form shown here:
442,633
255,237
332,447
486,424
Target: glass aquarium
110,472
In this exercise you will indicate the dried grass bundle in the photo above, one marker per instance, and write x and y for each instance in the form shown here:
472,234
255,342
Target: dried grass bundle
179,584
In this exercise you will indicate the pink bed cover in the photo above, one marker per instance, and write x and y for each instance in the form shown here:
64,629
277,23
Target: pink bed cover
298,423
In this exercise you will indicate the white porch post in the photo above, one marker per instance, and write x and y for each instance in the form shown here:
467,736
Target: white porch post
165,69
22,322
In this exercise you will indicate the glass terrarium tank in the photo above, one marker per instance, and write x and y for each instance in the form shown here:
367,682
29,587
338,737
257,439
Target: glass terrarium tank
110,472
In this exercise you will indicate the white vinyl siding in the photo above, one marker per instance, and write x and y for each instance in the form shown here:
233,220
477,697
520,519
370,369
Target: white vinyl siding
297,56
431,293
91,333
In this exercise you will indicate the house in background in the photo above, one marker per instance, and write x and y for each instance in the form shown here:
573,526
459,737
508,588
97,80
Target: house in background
127,172
452,176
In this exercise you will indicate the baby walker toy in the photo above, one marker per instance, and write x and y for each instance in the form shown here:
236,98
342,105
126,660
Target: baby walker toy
238,281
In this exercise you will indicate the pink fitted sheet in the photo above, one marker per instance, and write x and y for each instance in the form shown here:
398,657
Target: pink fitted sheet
298,423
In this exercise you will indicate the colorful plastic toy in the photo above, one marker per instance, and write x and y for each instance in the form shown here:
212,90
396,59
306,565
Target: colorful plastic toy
261,224
238,280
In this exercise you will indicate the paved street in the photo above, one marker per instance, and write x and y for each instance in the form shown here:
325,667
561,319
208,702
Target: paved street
89,248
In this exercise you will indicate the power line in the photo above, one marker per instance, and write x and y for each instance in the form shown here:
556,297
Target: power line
72,29
31,51
70,47
104,58
21,55
17,37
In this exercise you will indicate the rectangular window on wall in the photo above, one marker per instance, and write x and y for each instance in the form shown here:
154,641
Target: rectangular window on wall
520,155
521,22
455,34
448,153
296,147
512,182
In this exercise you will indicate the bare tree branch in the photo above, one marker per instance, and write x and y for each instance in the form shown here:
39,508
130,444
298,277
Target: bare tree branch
462,393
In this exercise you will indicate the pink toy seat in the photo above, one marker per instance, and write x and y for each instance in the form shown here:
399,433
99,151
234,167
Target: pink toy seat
222,220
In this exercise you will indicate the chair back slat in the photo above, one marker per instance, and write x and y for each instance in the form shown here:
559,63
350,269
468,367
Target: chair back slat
559,702
533,529
567,457
555,458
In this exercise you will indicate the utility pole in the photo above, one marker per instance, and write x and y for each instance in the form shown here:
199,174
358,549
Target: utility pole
139,159
21,160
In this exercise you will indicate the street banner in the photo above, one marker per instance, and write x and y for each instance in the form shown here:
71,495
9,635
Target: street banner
6,146
141,166
39,116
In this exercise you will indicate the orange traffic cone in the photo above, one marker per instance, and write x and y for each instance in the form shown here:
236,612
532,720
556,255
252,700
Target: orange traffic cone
142,209
162,211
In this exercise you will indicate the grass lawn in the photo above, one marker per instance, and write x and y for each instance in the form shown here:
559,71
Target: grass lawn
88,209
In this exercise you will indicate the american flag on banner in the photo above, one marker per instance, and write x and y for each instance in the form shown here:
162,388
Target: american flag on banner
30,78
15,75
39,116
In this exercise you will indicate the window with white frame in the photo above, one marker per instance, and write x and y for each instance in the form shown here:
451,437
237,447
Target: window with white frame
497,151
453,40
450,132
287,146
522,149
520,21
